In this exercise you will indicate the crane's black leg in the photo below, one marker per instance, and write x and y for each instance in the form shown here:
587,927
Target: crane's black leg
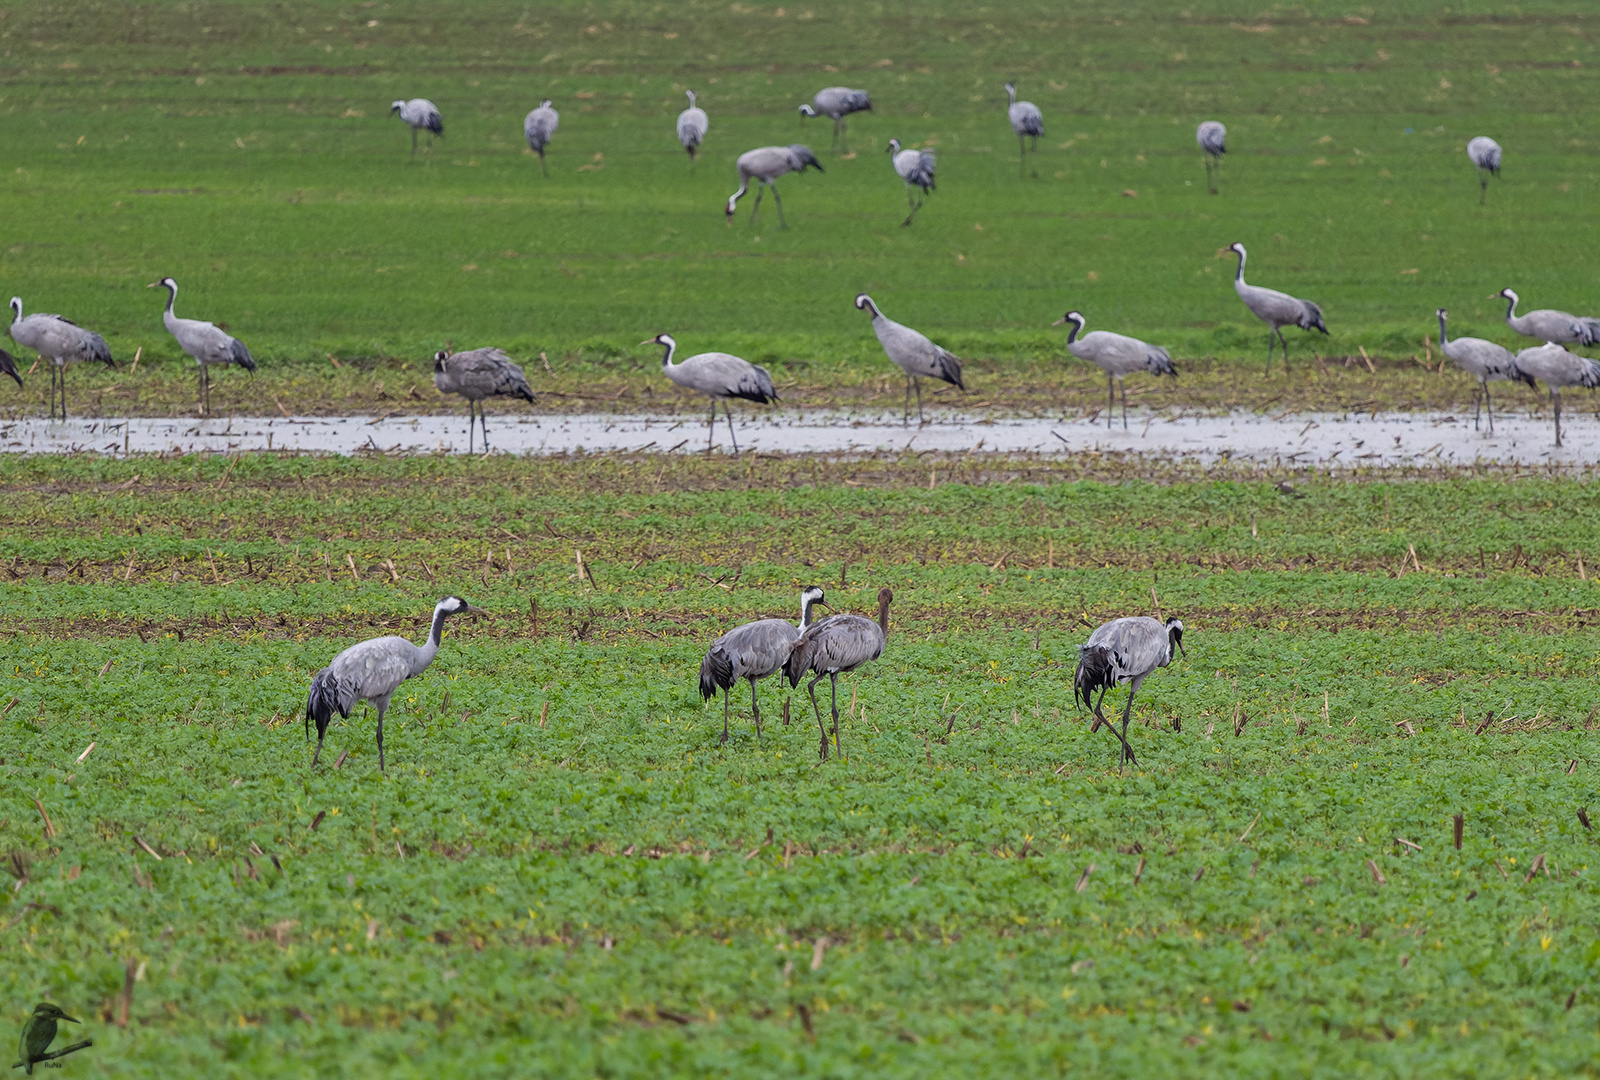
811,688
835,144
760,190
782,224
917,382
1124,404
1270,343
483,424
834,677
1483,187
711,427
472,419
755,709
905,415
64,403
1488,402
727,410
1284,342
1554,397
1111,402
724,714
844,135
321,731
1127,751
380,737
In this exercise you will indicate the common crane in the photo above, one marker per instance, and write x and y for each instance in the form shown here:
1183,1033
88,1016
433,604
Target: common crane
1557,368
539,127
1276,309
1546,324
8,366
1485,154
1213,138
1117,355
752,652
1026,121
60,341
1123,651
915,355
205,342
1483,360
837,645
915,167
372,671
716,375
766,164
692,126
838,102
420,114
479,374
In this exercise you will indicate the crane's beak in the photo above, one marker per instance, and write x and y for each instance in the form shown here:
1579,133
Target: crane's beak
154,285
1059,321
648,341
1223,253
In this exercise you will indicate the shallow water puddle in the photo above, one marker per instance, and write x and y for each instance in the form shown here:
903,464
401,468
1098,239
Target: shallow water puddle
1305,439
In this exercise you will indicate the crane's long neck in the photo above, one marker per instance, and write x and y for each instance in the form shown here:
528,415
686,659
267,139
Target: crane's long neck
806,605
883,615
1238,275
16,310
1444,338
1072,333
1011,95
1511,307
430,648
172,298
666,357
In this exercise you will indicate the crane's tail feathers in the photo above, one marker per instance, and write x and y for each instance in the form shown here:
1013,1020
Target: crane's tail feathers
1516,374
950,369
1590,378
1160,362
1096,671
240,355
1311,317
1589,331
325,700
8,366
799,662
716,673
806,158
99,350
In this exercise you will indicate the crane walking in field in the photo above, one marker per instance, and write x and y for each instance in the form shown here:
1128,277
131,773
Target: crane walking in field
479,374
838,102
60,341
1213,139
837,645
206,343
1276,309
915,167
752,652
692,126
764,165
717,375
1123,651
1558,368
1485,154
1026,121
539,127
1485,361
8,366
420,114
1547,324
372,671
1117,355
913,353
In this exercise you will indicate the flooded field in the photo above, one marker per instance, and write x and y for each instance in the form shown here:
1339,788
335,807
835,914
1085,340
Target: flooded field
1290,439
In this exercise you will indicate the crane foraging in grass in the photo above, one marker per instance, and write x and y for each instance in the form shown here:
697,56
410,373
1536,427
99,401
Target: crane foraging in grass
1485,154
1547,324
372,671
539,127
1123,651
60,341
206,343
692,126
915,167
1485,361
838,102
913,353
1553,365
1276,309
764,165
837,645
420,114
752,652
1213,140
479,374
1117,355
717,375
1026,120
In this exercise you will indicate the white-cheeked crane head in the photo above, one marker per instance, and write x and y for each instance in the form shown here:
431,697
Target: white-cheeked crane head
691,97
1074,317
893,147
439,359
810,597
454,605
666,341
545,104
165,283
1175,637
1506,294
1238,249
397,106
864,303
16,309
807,110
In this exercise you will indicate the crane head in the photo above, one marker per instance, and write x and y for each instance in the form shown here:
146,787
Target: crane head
1072,317
454,605
164,283
1237,248
894,146
439,358
863,302
50,1011
691,97
660,339
397,106
807,110
1442,313
16,309
545,104
1175,635
1506,294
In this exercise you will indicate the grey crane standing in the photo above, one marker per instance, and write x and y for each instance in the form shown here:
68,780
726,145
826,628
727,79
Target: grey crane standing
913,353
8,366
1483,360
764,165
915,167
420,114
539,127
479,374
838,102
1485,154
692,126
835,646
1276,309
60,341
1026,121
372,671
1213,139
1557,368
1117,355
206,343
752,652
1546,324
717,375
1123,651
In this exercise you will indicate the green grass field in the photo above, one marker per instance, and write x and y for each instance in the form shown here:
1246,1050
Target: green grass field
247,151
564,873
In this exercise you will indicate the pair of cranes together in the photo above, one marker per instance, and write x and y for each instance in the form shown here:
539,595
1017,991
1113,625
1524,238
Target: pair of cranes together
1125,650
420,114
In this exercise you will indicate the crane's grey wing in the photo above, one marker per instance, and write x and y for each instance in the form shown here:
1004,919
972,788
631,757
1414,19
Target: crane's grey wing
1310,317
430,118
919,166
1026,119
329,694
1158,361
757,649
1122,649
842,643
485,373
915,353
374,668
801,158
1212,137
238,354
725,375
8,366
